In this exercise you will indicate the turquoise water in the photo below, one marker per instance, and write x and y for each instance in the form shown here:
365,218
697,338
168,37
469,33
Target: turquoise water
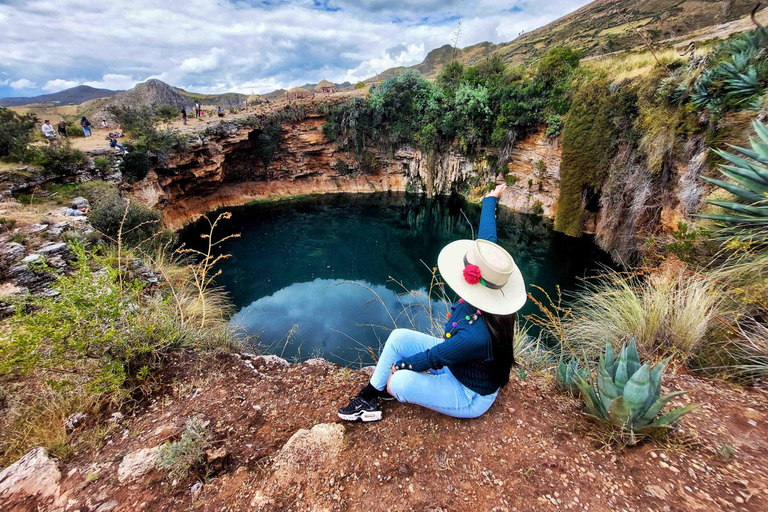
312,276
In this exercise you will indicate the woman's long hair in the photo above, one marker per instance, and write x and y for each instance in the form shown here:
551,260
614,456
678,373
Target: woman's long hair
502,330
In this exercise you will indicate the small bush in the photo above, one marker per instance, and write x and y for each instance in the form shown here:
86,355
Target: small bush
667,313
511,179
19,237
102,163
538,208
361,85
74,131
167,113
135,165
177,458
343,167
554,125
16,132
139,222
6,224
59,160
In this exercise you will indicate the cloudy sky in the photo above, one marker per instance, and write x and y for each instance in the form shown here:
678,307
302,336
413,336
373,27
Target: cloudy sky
246,46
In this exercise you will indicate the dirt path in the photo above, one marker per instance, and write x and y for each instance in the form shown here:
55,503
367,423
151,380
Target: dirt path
532,451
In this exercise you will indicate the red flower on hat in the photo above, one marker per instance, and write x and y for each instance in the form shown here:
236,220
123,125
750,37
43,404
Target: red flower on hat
472,274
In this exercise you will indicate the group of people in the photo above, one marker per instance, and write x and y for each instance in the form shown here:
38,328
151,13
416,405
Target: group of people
199,112
52,134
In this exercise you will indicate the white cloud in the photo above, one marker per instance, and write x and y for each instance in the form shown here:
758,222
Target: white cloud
217,45
22,84
114,82
59,85
205,63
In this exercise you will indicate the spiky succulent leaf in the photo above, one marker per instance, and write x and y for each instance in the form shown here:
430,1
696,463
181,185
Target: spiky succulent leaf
672,416
619,413
736,190
606,389
637,390
594,407
633,359
656,408
621,373
560,374
610,360
655,380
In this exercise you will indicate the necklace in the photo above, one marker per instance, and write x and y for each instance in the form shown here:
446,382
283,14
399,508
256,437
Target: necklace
470,319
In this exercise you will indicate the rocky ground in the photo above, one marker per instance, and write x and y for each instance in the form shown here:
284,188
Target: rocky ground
274,443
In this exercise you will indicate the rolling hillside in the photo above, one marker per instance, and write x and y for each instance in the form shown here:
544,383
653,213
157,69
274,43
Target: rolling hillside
601,27
73,96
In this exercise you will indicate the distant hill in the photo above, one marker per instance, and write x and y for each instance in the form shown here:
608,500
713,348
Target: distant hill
603,26
154,93
73,96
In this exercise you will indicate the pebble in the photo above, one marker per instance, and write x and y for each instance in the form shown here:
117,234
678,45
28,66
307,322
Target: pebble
663,464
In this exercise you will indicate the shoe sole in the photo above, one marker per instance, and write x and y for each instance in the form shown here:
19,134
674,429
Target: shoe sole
362,415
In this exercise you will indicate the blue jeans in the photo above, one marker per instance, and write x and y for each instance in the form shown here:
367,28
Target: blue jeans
87,131
438,390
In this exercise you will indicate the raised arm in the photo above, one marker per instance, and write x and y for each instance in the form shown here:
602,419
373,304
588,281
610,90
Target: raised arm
487,229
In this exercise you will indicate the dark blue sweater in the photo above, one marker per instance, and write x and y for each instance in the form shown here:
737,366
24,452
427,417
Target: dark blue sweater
468,353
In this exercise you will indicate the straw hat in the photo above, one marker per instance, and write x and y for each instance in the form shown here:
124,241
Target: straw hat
484,274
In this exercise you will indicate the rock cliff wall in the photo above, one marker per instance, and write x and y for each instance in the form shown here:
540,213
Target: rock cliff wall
224,169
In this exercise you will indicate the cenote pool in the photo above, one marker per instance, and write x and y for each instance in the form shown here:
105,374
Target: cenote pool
303,274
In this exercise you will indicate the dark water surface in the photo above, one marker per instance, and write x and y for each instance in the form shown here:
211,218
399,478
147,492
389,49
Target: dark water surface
295,272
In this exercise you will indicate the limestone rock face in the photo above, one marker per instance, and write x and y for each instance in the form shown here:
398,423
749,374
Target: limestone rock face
223,168
137,463
35,475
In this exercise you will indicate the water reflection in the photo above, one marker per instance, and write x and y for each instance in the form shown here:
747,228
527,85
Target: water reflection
331,318
290,253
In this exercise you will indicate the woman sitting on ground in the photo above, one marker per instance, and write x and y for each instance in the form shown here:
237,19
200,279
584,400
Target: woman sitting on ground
471,362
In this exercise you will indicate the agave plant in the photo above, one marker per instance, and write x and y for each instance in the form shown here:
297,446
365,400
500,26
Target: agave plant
750,217
627,395
567,375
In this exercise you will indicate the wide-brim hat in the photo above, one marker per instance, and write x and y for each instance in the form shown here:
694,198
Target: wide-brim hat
498,289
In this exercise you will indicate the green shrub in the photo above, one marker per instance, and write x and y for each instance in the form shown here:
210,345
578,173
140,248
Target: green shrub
59,160
102,163
167,113
554,125
135,165
19,237
74,130
343,167
140,222
16,132
178,457
267,143
538,208
361,85
511,179
668,312
6,224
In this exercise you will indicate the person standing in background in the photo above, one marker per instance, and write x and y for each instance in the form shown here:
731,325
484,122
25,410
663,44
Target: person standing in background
48,131
62,128
86,124
184,115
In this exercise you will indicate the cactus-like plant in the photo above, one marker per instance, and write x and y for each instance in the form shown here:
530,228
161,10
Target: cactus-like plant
627,394
567,375
750,216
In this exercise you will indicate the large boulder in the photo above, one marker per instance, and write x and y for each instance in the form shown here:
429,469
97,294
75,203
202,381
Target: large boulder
308,451
34,476
137,463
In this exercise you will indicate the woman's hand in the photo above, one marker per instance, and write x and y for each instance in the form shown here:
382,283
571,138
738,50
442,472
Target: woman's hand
497,191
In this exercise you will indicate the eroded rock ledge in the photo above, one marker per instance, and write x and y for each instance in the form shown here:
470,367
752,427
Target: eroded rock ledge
223,169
